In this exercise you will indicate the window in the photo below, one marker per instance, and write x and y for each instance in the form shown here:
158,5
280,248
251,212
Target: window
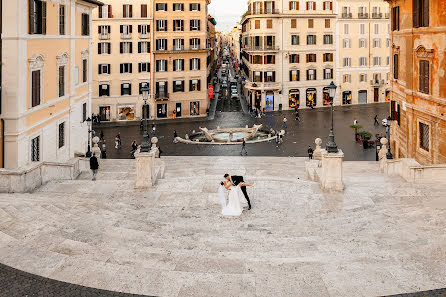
126,47
194,43
420,12
362,77
35,149
424,136
195,108
270,59
104,32
142,85
311,39
395,66
178,65
161,65
362,61
194,7
328,39
376,61
178,25
143,67
294,58
84,70
143,47
161,44
395,18
194,85
346,43
347,62
328,57
346,28
195,25
84,112
61,19
178,86
178,44
327,23
294,75
104,48
143,30
257,76
35,88
85,24
125,30
376,28
311,5
161,7
269,24
104,90
328,73
347,78
294,39
161,89
294,5
424,76
61,134
194,64
105,11
311,58
127,10
376,42
257,24
61,81
178,7
362,29
126,89
362,43
126,68
311,74
37,17
328,5
310,23
161,25
269,76
143,10
293,23
104,69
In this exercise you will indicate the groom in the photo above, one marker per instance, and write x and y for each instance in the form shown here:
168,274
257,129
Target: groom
236,180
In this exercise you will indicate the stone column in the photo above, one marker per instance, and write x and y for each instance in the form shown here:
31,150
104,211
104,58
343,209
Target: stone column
317,154
382,155
302,98
145,169
332,179
319,100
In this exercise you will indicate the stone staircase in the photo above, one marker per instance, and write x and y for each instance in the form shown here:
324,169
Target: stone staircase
171,240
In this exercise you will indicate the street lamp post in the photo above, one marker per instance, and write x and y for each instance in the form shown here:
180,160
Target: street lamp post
389,154
331,145
145,146
89,122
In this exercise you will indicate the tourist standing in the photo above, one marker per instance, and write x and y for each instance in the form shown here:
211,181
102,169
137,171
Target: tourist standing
376,120
175,135
310,152
94,166
244,148
284,124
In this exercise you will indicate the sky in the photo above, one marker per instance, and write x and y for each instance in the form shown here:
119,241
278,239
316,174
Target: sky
227,12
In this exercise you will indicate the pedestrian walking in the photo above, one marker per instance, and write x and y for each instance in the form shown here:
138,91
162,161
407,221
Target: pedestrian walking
153,130
284,124
376,120
297,115
175,135
94,166
243,148
119,138
116,142
280,138
310,152
101,135
103,152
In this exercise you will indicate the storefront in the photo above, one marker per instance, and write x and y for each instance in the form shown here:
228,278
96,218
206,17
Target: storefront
161,110
294,98
177,110
269,102
104,113
311,97
347,97
326,96
126,112
362,97
195,108
258,99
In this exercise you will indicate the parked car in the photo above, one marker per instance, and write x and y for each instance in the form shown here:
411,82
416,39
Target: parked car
224,84
234,94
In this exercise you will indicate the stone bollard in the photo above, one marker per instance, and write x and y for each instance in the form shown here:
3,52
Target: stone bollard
317,154
96,151
145,169
332,175
382,155
154,141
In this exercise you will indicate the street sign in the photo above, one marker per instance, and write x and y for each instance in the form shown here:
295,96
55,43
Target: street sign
211,92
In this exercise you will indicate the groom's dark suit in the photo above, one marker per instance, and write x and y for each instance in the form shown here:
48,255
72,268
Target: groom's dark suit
239,179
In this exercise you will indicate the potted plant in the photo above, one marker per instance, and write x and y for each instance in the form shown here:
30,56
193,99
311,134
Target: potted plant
356,127
365,136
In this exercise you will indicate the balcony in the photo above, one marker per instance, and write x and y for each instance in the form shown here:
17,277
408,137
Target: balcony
104,36
261,48
263,85
363,15
261,12
177,48
347,15
143,35
377,82
162,96
377,15
126,36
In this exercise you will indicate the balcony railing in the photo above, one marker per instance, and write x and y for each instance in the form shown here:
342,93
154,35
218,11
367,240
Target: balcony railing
162,96
126,35
377,15
104,36
377,82
363,15
178,48
143,35
262,48
262,11
263,85
347,15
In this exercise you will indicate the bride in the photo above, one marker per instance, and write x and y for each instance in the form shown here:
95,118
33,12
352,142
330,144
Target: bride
235,198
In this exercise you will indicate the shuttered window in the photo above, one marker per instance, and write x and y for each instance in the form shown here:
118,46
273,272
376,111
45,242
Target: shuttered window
37,17
293,24
35,149
420,13
143,10
35,88
424,136
424,76
84,71
61,81
395,66
61,135
85,24
395,18
61,19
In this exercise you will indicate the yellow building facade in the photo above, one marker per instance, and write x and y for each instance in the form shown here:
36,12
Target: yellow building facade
46,79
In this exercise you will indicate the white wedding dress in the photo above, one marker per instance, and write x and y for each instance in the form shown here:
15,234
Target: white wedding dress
235,199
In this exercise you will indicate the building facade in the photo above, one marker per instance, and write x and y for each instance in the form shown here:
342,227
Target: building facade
362,51
161,44
418,80
288,50
46,79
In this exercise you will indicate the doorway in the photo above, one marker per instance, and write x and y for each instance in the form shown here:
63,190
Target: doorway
178,109
376,94
161,111
362,97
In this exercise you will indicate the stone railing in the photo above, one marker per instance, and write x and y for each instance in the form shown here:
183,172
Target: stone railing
30,178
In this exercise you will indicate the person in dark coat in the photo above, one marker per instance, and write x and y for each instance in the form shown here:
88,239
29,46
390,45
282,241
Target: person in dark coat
94,166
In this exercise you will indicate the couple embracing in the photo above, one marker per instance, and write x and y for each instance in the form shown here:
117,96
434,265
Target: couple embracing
237,196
